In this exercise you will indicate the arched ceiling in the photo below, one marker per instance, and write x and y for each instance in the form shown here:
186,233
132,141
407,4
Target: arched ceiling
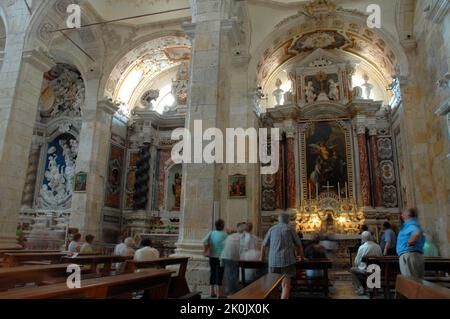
142,65
345,29
116,9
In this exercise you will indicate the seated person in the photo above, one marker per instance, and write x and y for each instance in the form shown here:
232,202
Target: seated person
368,249
87,246
75,246
315,251
146,253
127,251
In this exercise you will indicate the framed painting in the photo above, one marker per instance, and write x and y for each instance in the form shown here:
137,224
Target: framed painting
237,186
80,182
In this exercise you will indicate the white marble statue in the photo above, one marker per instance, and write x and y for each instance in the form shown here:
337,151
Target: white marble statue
333,93
357,92
367,86
278,93
309,92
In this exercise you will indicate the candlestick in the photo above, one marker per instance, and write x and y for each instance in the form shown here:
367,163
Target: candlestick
309,191
339,191
317,192
346,190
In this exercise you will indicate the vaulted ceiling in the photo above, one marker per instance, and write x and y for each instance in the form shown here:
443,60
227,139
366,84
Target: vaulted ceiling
117,9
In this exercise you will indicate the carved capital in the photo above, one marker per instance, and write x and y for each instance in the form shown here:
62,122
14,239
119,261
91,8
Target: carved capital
108,106
38,60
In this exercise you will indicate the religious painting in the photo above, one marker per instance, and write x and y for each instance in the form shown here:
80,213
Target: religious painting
80,182
237,186
326,154
114,184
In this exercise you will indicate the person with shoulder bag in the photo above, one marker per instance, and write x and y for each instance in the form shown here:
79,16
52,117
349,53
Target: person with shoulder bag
213,245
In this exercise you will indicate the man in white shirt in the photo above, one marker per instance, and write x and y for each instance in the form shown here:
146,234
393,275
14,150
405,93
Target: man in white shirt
121,245
230,259
146,253
368,249
127,251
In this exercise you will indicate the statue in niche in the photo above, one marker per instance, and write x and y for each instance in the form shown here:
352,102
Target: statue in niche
176,188
368,87
334,90
278,93
309,92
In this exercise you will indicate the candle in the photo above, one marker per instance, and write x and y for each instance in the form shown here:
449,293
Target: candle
339,191
309,189
346,190
317,192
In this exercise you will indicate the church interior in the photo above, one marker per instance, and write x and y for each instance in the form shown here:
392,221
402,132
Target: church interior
92,91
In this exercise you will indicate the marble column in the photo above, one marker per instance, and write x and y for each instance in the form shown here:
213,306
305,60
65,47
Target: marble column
33,165
279,180
290,163
363,166
377,184
20,88
86,210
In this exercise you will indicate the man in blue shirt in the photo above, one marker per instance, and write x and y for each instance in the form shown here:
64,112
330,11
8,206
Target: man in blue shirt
410,243
388,240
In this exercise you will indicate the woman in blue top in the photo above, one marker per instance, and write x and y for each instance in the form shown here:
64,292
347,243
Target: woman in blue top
215,240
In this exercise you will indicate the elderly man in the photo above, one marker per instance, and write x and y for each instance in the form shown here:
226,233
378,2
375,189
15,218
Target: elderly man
230,259
368,249
410,244
283,242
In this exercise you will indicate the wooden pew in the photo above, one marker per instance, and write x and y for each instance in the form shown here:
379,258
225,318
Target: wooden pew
154,281
94,260
315,264
17,259
407,288
179,288
266,287
390,268
16,276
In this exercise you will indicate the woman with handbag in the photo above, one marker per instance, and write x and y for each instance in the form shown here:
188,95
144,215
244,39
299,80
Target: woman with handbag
213,245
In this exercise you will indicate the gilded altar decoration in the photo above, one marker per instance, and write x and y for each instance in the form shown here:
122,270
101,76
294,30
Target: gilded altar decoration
237,186
330,214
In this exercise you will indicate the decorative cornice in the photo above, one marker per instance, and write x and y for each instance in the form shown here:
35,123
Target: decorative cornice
38,59
107,106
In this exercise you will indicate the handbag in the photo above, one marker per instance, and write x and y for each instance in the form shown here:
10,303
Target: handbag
207,247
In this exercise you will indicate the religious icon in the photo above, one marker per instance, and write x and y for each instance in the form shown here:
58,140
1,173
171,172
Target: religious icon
176,188
80,182
237,185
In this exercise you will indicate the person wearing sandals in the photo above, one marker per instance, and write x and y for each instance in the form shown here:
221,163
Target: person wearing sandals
214,243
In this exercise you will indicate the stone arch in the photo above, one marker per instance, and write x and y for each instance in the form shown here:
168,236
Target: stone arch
134,57
272,51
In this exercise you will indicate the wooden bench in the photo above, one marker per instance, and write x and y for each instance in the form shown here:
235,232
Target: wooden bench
154,281
16,276
407,288
179,288
95,260
17,259
390,268
266,287
314,264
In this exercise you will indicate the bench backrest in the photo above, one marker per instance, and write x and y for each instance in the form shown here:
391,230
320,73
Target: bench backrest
101,288
407,288
266,287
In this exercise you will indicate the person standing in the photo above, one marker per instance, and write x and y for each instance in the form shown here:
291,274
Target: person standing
410,244
214,241
388,240
230,259
283,243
